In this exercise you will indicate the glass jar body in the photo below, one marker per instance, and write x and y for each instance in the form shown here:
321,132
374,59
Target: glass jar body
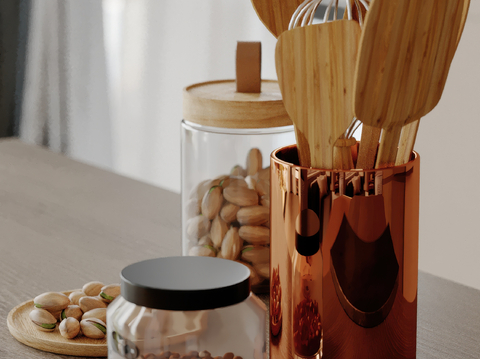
138,332
226,194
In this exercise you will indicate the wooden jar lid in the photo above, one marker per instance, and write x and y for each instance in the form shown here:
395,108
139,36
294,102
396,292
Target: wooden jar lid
218,104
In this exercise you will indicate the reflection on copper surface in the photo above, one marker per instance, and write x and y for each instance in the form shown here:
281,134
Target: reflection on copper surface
347,241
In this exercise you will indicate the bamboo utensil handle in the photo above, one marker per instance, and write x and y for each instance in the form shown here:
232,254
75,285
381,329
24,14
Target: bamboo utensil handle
368,147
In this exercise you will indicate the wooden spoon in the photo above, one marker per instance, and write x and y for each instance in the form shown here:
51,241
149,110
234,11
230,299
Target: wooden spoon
276,14
409,131
315,67
399,44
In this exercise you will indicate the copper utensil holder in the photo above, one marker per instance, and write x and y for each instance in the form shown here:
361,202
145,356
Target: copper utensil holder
344,260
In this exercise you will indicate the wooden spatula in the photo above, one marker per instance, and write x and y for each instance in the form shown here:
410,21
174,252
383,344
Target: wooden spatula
276,14
399,44
315,67
409,131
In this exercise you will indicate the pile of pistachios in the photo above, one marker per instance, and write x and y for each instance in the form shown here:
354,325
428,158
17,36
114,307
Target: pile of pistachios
204,354
229,217
82,311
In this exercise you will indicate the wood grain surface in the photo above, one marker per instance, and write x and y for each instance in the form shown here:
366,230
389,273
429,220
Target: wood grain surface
22,328
64,223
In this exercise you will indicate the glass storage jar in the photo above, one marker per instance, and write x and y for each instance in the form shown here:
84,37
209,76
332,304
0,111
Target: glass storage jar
186,307
227,138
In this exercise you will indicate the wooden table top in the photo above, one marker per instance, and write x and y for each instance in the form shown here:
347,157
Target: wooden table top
64,223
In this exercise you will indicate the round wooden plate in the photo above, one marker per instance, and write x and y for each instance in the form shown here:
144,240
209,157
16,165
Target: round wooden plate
22,328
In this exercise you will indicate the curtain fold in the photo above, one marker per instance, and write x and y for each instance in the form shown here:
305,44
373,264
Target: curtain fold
65,103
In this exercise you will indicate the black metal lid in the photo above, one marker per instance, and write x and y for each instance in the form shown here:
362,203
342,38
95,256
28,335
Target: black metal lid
185,283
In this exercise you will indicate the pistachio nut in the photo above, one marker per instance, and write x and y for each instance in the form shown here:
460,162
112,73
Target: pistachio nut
69,328
92,289
203,251
51,301
240,196
89,303
192,208
220,255
254,161
254,277
263,188
266,224
200,189
256,254
218,230
264,174
43,320
205,240
251,182
212,202
198,226
72,311
234,181
93,328
232,244
265,201
229,212
75,297
110,292
263,269
255,234
253,215
99,313
238,171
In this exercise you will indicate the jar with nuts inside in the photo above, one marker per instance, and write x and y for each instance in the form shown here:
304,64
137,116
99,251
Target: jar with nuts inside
229,129
186,307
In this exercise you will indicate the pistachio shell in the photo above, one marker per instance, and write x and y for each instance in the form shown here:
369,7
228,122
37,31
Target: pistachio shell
198,226
69,328
218,231
264,174
253,215
263,188
75,297
256,254
254,161
255,234
203,251
43,320
238,171
212,202
205,240
254,277
72,311
265,201
93,288
89,303
232,244
51,301
234,182
93,328
240,196
110,292
263,269
99,313
200,189
251,182
229,212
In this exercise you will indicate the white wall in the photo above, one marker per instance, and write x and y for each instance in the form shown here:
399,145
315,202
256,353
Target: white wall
448,143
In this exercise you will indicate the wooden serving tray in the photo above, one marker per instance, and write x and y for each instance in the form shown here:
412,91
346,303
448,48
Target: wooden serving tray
22,328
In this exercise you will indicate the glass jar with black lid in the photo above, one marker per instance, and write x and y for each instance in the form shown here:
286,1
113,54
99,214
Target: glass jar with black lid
186,307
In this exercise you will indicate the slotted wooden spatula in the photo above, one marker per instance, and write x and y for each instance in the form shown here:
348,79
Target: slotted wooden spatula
399,46
276,14
315,67
409,131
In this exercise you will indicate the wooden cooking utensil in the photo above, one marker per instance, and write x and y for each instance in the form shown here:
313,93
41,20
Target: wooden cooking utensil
409,131
399,45
315,66
276,14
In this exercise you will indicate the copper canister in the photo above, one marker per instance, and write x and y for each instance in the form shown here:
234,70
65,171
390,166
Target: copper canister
344,260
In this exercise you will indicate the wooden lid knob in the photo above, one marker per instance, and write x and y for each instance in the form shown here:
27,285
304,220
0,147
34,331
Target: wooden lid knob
247,102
